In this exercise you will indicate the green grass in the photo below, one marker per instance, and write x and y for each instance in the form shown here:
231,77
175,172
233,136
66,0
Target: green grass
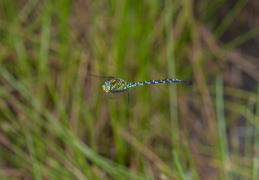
56,123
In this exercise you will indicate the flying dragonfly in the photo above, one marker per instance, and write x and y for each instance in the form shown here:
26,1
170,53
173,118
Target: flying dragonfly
119,86
116,85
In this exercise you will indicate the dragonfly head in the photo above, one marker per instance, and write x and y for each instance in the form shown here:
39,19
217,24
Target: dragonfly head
106,86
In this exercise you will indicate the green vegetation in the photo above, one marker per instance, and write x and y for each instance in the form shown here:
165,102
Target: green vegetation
56,123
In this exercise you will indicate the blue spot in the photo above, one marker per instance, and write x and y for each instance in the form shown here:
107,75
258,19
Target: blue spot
132,85
140,84
163,81
174,79
148,83
156,82
127,86
170,81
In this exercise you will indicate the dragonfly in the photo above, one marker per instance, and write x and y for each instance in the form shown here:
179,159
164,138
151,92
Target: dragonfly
116,85
119,86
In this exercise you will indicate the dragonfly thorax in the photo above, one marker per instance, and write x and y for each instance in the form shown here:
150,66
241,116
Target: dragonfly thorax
115,85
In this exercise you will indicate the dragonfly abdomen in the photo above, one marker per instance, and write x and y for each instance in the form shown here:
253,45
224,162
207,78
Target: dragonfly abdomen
131,85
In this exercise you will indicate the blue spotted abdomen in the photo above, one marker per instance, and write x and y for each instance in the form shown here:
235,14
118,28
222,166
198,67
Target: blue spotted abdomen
131,85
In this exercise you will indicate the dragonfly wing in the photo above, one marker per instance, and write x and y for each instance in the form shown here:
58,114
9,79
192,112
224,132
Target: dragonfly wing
131,99
115,95
101,77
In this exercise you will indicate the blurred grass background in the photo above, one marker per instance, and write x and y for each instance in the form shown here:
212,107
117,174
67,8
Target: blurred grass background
56,123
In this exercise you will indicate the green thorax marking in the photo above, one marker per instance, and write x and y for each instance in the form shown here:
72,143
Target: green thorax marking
117,84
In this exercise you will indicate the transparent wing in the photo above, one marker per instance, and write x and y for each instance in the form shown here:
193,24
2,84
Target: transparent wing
115,95
131,99
101,77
